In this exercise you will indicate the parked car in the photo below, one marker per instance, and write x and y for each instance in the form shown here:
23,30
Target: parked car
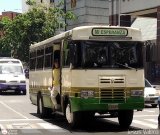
150,94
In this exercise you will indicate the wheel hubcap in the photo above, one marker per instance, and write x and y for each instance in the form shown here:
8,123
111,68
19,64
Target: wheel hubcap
69,114
40,106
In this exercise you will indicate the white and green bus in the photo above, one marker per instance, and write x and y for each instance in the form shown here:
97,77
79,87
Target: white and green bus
101,71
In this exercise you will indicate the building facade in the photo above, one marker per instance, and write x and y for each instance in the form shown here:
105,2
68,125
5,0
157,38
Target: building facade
10,15
26,7
89,12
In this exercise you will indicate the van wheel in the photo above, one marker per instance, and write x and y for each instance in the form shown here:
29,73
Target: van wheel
154,105
73,118
24,92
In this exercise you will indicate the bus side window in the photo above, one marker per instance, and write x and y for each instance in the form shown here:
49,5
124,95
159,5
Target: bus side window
57,55
40,59
48,57
32,60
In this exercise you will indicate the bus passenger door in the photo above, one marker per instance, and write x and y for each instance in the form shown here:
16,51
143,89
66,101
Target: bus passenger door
66,71
56,58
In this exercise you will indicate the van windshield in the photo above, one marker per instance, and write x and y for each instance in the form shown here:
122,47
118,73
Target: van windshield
11,69
147,84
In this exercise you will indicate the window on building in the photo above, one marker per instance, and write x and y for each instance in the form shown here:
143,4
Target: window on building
73,3
41,1
51,1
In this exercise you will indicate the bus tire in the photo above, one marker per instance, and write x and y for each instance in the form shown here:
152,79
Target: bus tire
41,110
73,118
125,118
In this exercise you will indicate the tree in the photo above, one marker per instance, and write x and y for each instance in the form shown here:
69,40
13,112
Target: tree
39,23
4,47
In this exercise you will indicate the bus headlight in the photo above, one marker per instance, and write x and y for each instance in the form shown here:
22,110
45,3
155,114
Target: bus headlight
138,93
87,93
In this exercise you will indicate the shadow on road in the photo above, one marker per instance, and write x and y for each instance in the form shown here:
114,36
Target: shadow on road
94,125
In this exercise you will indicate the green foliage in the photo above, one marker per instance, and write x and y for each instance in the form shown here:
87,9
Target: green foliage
39,23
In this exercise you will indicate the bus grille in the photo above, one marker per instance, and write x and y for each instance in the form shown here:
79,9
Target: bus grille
112,95
114,81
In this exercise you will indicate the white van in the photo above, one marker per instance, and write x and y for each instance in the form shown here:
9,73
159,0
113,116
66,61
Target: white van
150,94
12,76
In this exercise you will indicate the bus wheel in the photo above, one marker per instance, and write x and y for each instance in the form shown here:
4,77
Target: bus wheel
43,111
73,118
125,118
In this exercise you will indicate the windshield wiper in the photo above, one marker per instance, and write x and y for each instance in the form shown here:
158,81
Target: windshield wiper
125,65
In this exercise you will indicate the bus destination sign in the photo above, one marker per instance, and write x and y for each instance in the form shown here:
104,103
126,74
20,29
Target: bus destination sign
109,32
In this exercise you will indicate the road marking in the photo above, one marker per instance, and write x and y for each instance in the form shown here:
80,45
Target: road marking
145,115
30,128
149,111
48,126
1,127
10,120
13,110
154,126
21,126
3,130
152,120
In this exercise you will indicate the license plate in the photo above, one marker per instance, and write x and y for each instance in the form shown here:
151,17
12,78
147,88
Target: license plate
13,87
113,107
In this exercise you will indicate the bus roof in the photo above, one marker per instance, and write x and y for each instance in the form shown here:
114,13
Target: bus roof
90,33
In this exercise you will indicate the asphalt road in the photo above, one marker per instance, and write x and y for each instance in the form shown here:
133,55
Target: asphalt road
18,117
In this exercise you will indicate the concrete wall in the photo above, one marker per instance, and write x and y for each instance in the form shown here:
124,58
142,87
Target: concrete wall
89,12
25,7
135,5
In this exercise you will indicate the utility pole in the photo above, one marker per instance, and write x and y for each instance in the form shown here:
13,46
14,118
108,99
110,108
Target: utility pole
119,12
65,21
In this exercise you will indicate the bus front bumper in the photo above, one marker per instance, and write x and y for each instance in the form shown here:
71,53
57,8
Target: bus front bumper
92,104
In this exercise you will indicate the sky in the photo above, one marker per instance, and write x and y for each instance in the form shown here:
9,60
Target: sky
10,5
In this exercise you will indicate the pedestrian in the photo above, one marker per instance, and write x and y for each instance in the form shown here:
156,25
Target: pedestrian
56,85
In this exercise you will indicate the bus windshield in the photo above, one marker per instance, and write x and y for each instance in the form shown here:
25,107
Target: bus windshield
113,54
8,69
